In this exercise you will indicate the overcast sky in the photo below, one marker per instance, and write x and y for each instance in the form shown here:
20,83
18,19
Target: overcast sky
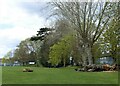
19,19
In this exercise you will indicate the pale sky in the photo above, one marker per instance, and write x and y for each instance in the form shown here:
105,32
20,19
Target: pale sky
19,19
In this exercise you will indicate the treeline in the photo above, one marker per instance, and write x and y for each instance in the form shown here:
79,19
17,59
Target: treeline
84,31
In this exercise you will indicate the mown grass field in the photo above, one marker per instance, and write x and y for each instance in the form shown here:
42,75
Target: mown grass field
0,75
14,75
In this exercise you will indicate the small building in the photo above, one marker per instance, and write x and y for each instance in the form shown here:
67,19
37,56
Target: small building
105,60
31,62
16,63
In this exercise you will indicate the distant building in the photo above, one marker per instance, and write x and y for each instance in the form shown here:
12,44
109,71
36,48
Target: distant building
16,63
105,60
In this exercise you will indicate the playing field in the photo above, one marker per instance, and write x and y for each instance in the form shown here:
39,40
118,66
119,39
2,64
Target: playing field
14,75
0,75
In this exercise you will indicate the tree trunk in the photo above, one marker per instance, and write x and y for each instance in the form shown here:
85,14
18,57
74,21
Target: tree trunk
84,57
38,63
64,62
87,54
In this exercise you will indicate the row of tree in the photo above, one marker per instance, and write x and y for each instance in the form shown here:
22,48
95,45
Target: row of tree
83,30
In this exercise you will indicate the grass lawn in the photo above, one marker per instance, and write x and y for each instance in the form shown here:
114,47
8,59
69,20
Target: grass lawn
14,75
0,75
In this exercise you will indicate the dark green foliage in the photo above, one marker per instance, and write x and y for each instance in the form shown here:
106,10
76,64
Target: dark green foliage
41,34
48,42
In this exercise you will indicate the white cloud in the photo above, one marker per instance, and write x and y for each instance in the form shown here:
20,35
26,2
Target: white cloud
24,24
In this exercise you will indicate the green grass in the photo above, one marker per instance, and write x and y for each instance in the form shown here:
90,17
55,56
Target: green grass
14,75
0,75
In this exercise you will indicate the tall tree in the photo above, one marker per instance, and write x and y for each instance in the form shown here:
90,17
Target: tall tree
8,57
25,52
89,19
35,47
60,52
42,33
50,36
112,38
